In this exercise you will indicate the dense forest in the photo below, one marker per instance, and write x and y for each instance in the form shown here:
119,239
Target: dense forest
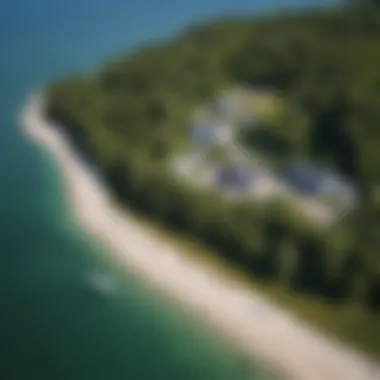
131,116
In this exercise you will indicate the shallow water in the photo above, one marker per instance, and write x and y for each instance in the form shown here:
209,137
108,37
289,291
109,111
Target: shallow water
51,325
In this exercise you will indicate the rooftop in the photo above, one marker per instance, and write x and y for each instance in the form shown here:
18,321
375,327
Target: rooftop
312,180
238,176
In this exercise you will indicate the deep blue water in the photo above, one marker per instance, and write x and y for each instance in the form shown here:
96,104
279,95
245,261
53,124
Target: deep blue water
51,326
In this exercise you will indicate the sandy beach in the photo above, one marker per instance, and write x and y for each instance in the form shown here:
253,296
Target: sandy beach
260,329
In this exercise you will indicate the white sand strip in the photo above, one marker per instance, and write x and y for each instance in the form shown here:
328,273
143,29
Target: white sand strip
260,329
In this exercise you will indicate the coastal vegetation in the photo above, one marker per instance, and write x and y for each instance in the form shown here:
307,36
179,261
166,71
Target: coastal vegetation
131,118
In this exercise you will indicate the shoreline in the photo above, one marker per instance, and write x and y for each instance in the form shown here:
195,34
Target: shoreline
261,331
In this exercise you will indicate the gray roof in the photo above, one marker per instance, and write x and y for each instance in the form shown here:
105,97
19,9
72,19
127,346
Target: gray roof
237,176
310,179
204,133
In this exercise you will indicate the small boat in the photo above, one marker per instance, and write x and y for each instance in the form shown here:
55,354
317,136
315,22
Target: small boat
101,282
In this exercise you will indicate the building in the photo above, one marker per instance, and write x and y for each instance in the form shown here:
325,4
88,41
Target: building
224,108
229,109
203,135
206,134
237,178
312,181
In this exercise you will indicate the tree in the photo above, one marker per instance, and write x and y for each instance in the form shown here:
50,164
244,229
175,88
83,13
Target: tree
130,117
287,258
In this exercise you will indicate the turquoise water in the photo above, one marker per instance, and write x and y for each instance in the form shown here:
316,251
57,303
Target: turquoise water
51,326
